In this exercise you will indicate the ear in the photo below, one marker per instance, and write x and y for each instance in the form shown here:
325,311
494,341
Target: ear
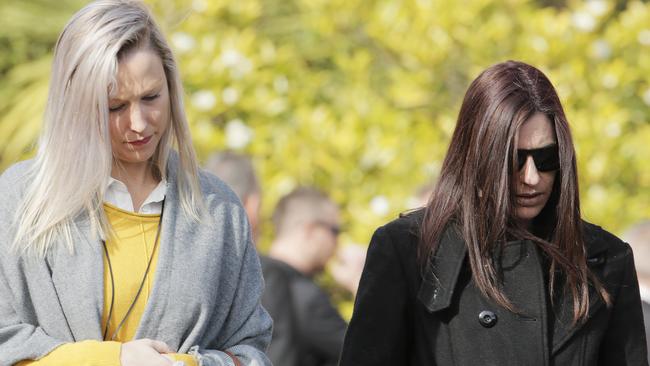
252,206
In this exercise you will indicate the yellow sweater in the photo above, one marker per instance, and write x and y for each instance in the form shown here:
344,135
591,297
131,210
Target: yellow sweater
129,250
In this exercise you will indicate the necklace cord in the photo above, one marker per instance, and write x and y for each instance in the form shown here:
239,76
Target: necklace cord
144,278
110,309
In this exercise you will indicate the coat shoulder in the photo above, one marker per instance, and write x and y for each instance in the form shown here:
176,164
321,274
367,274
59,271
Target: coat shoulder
406,227
212,185
599,240
16,175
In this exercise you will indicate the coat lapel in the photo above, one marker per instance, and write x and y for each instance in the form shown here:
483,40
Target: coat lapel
439,281
77,280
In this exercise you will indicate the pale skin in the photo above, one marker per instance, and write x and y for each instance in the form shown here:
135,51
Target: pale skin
139,113
290,244
533,187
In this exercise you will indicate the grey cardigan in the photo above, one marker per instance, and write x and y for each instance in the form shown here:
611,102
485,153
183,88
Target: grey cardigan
205,298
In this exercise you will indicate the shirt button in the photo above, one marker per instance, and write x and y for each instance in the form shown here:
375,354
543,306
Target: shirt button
487,318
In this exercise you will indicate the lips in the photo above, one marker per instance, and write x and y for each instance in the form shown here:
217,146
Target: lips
140,142
530,199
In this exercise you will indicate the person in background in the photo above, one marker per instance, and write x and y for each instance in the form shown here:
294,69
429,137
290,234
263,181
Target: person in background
116,249
238,172
307,226
499,268
290,292
638,236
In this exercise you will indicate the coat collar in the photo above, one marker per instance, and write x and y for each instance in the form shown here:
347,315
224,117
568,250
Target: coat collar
439,282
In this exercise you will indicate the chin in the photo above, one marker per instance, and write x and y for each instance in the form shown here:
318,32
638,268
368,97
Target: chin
527,214
136,157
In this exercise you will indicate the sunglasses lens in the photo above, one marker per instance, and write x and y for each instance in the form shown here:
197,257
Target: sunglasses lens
546,159
522,155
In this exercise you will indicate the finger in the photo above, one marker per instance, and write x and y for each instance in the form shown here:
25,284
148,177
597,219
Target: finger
160,346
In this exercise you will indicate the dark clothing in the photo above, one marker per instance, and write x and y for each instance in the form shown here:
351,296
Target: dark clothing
276,300
646,319
401,319
308,330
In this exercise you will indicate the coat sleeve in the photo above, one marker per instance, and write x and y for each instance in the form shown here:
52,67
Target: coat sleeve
321,328
624,342
19,340
248,333
379,332
277,296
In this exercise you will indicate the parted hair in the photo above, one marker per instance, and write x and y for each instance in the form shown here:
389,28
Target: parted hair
475,193
74,158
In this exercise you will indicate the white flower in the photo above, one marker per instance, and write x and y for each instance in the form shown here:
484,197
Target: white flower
597,194
609,81
379,205
204,100
646,97
596,166
644,37
238,135
230,95
183,42
238,64
199,6
613,129
281,84
600,49
539,44
584,21
597,7
276,106
231,57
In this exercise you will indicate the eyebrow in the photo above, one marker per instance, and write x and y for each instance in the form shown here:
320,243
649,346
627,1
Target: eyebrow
541,147
155,88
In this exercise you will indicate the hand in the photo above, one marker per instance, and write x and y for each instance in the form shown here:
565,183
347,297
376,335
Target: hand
348,265
145,352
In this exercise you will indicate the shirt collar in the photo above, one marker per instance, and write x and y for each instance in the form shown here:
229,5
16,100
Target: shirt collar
118,195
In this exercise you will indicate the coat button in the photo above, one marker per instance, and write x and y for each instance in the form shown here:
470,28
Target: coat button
487,318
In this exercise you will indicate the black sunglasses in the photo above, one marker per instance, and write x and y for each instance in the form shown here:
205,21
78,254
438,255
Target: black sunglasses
546,158
334,229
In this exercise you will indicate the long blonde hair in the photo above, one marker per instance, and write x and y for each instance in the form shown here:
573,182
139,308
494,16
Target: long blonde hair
74,158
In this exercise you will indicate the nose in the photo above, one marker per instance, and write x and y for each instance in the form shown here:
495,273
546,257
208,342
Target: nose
137,120
530,174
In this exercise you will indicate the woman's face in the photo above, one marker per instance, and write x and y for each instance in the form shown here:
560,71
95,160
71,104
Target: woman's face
139,111
533,187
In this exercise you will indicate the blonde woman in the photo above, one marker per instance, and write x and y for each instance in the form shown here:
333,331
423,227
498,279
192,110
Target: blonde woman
115,249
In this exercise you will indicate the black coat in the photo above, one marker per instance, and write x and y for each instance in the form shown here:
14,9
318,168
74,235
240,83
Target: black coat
307,328
401,319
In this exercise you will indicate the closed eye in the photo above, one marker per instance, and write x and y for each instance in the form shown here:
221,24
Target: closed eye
151,97
116,108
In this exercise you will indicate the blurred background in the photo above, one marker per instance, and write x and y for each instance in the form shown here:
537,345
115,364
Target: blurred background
360,97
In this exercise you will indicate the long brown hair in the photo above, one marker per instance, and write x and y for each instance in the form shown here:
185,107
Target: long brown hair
475,191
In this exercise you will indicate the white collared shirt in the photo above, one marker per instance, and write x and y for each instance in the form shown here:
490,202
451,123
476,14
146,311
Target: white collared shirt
118,196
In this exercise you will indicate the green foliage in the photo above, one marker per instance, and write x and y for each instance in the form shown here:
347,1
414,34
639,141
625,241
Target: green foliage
359,97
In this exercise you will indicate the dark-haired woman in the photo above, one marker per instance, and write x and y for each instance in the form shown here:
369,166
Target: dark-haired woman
499,268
